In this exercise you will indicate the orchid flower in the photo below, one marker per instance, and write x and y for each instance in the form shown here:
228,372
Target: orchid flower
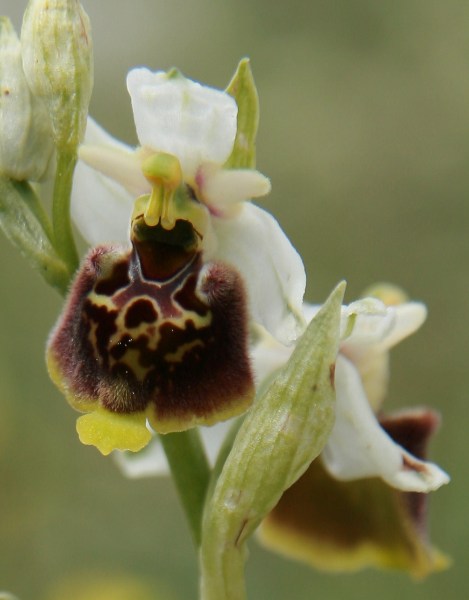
362,503
197,125
157,329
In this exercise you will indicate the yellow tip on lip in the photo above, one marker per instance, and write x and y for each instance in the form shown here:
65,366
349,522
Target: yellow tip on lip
110,431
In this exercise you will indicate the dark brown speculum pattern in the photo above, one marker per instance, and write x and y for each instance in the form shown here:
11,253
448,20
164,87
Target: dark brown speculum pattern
153,326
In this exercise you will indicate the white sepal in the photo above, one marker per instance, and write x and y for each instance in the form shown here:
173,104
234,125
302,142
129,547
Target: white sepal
175,115
272,269
358,447
223,189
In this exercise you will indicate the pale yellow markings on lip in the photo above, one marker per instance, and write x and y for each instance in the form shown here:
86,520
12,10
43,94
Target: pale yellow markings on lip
141,329
99,300
102,300
189,315
178,354
93,339
131,359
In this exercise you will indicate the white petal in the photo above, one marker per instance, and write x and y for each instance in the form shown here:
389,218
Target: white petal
272,269
358,447
121,166
96,135
100,207
366,321
408,318
175,115
223,189
310,311
374,324
213,439
151,461
112,158
267,355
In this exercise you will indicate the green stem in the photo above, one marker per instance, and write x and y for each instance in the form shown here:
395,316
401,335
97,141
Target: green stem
63,236
221,563
191,474
222,569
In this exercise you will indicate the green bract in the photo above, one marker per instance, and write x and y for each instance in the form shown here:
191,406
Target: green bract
25,224
284,432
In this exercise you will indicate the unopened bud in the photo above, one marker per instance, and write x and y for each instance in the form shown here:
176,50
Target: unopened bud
25,138
58,63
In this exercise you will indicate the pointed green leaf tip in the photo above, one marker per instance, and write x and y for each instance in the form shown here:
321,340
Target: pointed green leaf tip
243,89
285,431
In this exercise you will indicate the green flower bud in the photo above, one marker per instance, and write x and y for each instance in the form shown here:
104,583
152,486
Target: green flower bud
25,138
58,63
283,433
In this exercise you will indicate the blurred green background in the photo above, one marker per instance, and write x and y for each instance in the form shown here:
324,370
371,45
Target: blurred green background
365,134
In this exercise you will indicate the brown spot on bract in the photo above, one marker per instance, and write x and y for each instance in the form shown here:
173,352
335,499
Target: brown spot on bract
240,532
332,375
